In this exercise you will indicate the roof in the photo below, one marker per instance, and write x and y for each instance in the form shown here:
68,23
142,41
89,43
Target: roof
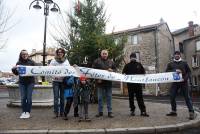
179,31
191,38
141,28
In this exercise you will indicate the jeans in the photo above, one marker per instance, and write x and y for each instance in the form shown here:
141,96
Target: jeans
107,92
58,93
137,91
173,92
26,96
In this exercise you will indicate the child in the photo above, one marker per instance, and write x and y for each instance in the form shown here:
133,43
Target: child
84,99
68,83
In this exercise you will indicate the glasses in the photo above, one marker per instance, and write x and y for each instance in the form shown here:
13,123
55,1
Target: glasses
60,52
24,54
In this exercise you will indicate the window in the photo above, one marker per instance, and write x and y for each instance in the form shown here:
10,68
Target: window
198,46
138,56
195,62
133,39
194,80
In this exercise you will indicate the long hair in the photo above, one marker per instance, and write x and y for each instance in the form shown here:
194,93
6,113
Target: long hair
20,55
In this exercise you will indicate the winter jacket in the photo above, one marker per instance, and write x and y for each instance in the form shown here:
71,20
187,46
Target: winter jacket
68,83
104,65
25,79
133,68
181,65
54,62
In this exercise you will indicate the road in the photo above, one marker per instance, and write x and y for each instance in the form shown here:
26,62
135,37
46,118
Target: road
158,99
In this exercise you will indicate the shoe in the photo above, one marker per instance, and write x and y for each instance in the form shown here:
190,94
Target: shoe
132,113
171,114
23,115
87,119
27,115
55,115
192,115
76,115
110,115
144,114
99,114
61,114
80,119
65,118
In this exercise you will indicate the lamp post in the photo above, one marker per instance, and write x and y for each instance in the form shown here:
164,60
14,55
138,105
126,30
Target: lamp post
46,5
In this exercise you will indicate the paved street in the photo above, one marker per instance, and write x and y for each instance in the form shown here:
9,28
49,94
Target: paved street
42,117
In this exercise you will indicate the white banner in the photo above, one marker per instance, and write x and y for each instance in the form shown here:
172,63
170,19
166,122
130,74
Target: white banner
61,71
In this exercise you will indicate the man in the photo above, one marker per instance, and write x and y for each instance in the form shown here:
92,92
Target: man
180,67
132,68
103,86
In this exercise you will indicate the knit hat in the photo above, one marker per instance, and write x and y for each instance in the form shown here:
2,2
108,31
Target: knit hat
82,78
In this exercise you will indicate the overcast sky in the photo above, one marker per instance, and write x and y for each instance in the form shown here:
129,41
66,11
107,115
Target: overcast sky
28,30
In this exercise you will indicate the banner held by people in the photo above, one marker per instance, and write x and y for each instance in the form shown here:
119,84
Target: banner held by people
98,74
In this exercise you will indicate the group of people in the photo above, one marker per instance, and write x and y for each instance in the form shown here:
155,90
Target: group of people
71,90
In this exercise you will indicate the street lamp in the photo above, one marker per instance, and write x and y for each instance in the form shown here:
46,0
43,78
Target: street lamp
54,8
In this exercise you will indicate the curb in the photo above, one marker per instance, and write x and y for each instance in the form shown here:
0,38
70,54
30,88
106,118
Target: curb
141,130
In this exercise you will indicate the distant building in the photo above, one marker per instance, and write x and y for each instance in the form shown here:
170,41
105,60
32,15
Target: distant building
37,56
153,44
188,42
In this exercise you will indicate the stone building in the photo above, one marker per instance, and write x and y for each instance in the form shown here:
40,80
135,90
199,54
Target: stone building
189,45
38,58
154,47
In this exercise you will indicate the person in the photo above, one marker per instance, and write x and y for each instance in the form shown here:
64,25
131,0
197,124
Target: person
26,84
180,66
58,90
132,68
104,87
69,83
83,94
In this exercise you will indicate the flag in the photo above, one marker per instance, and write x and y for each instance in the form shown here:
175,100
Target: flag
78,7
22,70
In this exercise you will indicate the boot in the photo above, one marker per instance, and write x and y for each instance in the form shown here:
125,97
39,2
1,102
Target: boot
99,114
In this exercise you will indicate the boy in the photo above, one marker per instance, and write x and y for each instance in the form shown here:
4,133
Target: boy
83,93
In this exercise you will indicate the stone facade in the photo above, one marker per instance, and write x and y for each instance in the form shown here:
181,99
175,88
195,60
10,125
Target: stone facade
38,58
186,40
153,45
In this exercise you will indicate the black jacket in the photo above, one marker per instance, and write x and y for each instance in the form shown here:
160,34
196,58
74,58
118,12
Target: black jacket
183,66
133,68
25,79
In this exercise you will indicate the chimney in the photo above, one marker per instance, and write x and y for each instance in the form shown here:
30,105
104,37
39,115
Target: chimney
191,28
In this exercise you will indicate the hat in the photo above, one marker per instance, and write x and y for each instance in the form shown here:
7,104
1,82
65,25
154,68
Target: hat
133,55
82,78
177,52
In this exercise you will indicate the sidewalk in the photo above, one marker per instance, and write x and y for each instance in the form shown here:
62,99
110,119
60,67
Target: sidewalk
41,120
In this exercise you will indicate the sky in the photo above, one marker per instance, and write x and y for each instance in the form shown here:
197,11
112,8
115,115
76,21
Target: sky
27,30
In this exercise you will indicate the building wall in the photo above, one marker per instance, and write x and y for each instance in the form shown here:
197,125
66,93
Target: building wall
190,50
179,38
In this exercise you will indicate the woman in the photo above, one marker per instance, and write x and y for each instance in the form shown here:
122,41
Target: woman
26,84
58,90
